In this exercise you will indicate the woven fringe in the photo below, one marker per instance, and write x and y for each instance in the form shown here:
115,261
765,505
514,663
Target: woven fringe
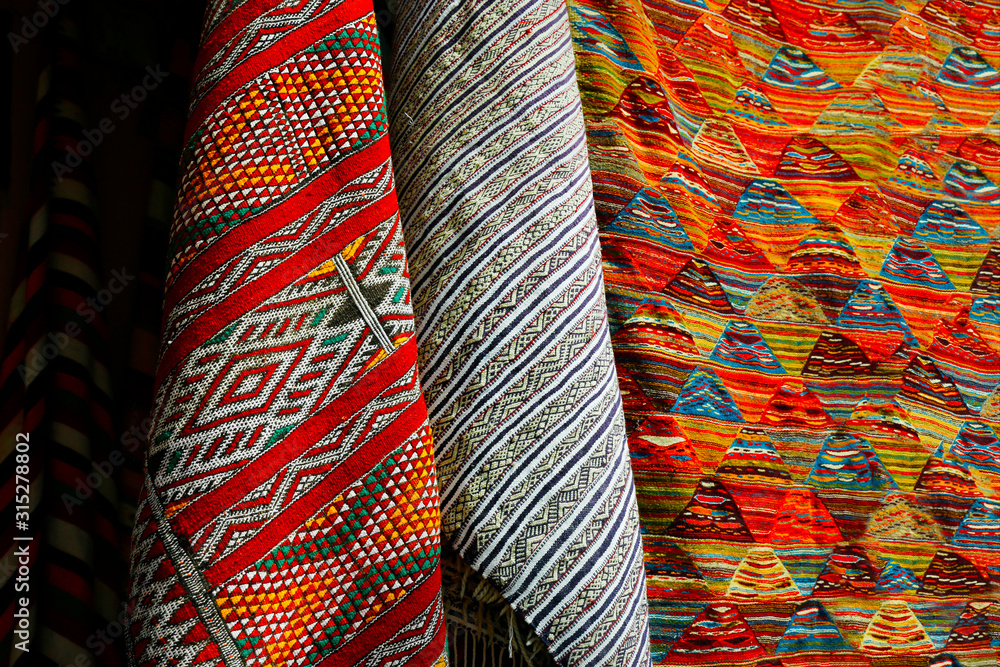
483,629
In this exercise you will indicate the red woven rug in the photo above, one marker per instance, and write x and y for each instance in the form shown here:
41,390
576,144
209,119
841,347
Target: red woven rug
290,512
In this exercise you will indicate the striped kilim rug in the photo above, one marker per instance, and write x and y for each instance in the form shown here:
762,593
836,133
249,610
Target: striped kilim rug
495,194
798,207
290,508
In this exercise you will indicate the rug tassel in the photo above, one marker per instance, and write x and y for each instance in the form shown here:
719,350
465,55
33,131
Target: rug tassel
510,640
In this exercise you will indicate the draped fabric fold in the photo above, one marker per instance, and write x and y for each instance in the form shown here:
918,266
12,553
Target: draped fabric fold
515,355
290,509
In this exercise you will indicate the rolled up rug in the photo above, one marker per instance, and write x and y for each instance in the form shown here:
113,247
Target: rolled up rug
515,355
290,509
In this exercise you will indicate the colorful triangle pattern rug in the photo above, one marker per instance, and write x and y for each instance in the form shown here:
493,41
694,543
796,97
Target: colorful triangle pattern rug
799,209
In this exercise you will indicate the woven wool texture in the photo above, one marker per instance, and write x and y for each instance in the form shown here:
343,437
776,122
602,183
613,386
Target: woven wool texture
798,206
290,510
495,196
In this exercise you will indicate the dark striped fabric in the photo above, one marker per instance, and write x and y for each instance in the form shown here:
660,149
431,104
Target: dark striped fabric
54,386
165,129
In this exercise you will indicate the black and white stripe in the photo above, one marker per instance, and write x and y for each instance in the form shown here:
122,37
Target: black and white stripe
515,353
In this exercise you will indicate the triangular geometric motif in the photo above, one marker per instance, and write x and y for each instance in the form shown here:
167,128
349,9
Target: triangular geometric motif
811,630
947,223
966,182
719,636
971,631
987,280
895,629
603,37
791,68
977,447
650,217
965,68
741,346
758,16
897,520
697,285
794,406
950,574
670,567
910,262
980,528
940,476
752,457
913,171
710,514
804,519
785,299
874,321
761,577
847,572
659,444
703,394
924,383
836,355
894,578
848,462
972,364
767,202
810,159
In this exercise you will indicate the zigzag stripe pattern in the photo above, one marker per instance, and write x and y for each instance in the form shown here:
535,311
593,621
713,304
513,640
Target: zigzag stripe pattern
515,357
262,32
290,512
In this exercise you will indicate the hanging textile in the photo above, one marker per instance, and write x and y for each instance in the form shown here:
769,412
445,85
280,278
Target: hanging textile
799,208
61,529
290,512
495,195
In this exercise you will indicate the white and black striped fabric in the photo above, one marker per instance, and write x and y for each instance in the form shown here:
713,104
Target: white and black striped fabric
514,349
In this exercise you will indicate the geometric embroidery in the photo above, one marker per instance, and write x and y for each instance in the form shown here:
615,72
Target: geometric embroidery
293,508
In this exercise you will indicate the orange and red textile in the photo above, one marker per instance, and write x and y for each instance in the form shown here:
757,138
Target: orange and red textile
799,207
290,512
